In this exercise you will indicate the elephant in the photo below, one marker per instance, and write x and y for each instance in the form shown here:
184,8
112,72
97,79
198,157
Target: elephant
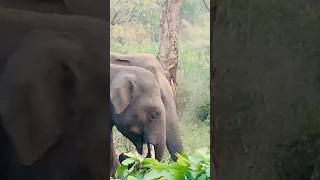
53,98
92,8
139,113
150,62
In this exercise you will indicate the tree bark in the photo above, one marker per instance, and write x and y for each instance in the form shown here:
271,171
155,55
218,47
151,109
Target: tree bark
168,50
268,95
213,89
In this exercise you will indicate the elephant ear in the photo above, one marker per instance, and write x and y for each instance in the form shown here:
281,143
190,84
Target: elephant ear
118,59
124,62
121,91
36,93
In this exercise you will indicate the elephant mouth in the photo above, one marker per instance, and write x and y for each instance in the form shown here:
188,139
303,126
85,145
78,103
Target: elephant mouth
147,150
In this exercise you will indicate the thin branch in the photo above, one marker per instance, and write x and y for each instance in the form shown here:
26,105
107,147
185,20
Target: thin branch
205,4
129,16
113,21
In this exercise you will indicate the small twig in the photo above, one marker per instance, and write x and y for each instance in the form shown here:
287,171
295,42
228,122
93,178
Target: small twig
113,21
204,2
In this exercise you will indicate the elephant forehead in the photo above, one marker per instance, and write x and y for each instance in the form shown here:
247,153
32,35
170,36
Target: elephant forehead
149,83
149,106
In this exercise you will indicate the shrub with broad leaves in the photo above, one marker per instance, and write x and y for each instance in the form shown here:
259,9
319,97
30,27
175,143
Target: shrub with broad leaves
195,166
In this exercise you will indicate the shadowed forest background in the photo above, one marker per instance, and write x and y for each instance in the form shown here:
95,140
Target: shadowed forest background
135,28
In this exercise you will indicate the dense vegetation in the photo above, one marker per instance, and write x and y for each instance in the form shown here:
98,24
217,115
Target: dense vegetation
135,29
192,167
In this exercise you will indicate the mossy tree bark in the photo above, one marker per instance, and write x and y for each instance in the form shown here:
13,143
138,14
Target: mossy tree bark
168,50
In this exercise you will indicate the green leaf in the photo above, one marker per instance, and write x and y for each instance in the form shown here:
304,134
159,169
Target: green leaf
202,154
167,175
202,177
128,161
194,160
178,174
132,168
204,164
188,175
130,154
140,177
208,172
152,163
136,157
182,160
120,170
192,167
131,178
153,174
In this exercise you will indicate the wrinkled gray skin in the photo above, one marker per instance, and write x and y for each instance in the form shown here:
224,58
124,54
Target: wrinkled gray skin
53,97
139,113
150,62
92,8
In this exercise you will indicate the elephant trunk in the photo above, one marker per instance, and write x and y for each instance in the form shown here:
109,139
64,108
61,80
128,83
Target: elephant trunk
174,142
159,151
150,150
155,137
155,149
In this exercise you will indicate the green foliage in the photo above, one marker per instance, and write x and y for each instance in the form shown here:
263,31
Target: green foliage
191,9
203,113
194,166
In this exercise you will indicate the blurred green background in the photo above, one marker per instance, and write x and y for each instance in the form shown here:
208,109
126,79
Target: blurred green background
135,27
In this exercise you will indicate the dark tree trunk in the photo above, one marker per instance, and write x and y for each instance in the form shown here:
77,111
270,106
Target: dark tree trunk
213,88
268,66
168,49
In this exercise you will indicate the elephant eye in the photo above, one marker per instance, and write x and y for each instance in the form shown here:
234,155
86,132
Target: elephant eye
154,115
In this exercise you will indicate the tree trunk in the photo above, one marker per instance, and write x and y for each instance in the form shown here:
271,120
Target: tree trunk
168,49
268,85
213,88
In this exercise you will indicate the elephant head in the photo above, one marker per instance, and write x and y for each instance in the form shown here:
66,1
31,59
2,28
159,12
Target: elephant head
139,110
53,106
150,62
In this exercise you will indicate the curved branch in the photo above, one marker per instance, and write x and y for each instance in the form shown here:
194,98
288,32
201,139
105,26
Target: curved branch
205,4
113,21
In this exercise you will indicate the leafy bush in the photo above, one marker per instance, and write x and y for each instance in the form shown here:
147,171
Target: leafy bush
203,113
191,167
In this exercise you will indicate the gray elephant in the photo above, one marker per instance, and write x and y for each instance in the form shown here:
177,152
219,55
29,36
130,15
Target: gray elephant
150,62
139,112
92,8
53,110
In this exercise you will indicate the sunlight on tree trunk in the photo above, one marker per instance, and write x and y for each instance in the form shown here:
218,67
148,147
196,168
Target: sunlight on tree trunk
168,49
